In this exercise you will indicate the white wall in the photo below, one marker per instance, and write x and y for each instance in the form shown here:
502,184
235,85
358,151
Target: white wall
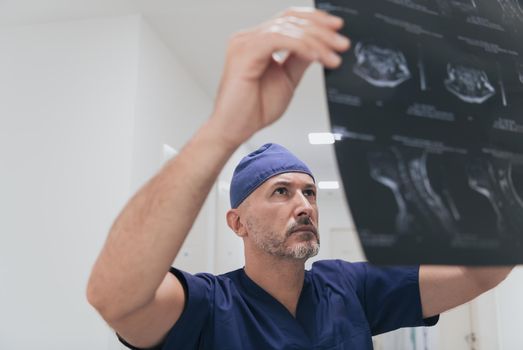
170,107
510,311
65,130
86,107
338,235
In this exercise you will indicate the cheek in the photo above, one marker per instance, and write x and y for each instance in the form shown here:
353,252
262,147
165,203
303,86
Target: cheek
265,222
278,222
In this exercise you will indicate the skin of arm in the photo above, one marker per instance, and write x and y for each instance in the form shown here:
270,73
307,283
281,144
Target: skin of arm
129,284
445,287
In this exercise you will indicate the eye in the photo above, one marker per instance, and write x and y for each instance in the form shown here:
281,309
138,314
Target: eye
281,191
310,193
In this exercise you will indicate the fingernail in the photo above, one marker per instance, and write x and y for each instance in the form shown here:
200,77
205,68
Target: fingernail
342,40
335,59
336,20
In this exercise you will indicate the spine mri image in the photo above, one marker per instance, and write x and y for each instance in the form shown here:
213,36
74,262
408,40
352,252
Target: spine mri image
427,110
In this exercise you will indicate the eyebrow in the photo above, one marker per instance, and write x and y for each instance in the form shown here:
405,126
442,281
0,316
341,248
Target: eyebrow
288,183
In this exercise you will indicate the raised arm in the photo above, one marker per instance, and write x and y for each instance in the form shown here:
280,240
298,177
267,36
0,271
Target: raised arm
445,287
129,284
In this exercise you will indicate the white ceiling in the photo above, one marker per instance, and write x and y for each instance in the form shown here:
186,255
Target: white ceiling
197,33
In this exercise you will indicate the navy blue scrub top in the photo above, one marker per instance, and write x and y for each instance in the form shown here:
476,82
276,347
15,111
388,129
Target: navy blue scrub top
340,307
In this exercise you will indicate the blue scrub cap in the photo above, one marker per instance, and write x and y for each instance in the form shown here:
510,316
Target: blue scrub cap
257,167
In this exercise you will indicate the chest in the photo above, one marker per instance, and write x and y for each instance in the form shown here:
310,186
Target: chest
324,319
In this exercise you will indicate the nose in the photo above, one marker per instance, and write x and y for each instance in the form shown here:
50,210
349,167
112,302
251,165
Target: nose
303,206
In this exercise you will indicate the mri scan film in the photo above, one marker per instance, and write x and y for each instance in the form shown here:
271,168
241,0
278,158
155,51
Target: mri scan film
427,109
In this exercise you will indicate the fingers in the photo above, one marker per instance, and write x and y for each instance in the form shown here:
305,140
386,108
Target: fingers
294,67
327,43
323,46
318,16
304,35
311,35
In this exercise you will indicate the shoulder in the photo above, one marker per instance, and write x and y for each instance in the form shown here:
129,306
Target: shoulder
203,293
200,286
339,271
362,273
335,266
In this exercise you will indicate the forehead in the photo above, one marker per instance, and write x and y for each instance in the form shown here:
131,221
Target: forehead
293,179
296,179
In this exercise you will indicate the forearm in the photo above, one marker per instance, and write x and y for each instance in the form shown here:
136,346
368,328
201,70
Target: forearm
487,277
148,234
445,287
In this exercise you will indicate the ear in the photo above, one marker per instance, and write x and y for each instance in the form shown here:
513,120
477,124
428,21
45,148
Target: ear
233,220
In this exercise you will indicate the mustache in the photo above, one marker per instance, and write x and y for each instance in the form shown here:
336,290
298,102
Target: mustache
302,223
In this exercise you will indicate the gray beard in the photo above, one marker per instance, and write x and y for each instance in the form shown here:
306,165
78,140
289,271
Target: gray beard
304,250
277,247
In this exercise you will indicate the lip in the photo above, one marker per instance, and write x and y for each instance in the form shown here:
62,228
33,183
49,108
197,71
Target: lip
306,228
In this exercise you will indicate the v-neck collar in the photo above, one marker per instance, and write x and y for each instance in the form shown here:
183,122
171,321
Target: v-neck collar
303,308
261,293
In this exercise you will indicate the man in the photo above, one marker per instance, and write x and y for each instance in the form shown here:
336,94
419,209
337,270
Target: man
272,303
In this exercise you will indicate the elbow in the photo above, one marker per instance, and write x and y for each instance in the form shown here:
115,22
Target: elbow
504,272
111,307
494,277
99,301
95,299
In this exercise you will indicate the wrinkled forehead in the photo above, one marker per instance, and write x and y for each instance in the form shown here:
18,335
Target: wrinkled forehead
291,179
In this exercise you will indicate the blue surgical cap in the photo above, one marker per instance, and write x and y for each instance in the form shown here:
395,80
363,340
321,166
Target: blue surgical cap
257,167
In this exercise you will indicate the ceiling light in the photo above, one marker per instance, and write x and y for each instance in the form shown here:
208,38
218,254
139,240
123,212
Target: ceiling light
328,185
321,138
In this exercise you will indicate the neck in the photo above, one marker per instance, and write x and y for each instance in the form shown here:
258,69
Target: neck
280,277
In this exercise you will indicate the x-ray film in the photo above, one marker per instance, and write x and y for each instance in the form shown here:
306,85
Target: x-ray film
427,111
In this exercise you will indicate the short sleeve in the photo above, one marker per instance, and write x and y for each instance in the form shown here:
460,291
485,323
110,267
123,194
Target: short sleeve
199,292
390,296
